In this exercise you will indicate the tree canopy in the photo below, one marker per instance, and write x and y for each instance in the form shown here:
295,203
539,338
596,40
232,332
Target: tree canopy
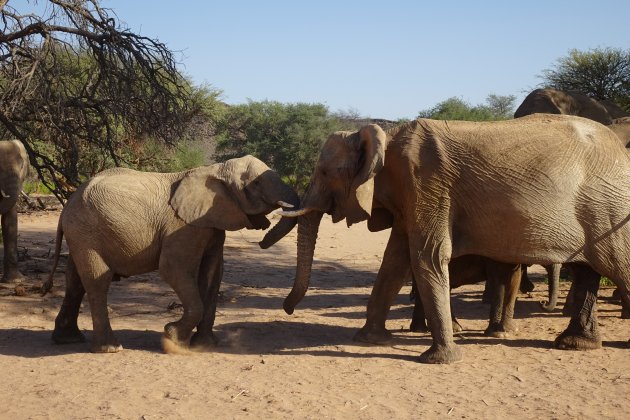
497,107
603,73
83,92
286,136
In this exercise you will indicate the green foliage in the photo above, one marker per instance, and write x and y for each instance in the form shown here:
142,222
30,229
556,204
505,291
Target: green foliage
285,136
605,281
35,187
497,107
603,73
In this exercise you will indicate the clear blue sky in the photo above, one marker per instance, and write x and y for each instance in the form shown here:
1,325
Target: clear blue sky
386,59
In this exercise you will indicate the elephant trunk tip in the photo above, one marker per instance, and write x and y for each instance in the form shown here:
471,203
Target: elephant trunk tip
288,308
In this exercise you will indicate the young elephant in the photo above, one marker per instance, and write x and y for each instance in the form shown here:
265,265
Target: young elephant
124,222
13,170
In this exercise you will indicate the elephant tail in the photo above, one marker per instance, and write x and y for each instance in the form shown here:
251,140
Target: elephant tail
48,284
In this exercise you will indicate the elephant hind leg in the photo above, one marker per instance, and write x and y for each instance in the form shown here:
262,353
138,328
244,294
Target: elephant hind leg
96,277
66,327
582,332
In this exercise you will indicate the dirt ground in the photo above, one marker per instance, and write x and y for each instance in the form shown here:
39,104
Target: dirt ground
273,365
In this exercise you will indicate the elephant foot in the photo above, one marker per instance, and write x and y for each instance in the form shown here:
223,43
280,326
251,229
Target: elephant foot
67,335
373,335
12,277
106,348
419,326
547,306
577,341
203,342
441,354
498,330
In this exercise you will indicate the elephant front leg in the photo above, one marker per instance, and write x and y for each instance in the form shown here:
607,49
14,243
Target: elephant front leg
391,276
10,273
430,268
582,332
209,280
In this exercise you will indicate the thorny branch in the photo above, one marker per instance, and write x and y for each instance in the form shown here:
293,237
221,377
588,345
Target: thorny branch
77,87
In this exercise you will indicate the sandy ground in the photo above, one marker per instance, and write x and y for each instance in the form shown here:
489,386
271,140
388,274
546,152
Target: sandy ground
272,365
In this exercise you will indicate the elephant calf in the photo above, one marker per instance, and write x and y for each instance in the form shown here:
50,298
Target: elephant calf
124,222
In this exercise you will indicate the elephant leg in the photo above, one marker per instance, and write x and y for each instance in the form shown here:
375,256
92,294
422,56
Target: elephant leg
209,281
66,327
567,309
418,320
186,287
582,332
506,279
553,276
391,275
10,273
430,269
526,285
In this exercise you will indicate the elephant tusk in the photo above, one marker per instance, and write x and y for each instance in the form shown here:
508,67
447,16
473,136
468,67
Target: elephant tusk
284,204
293,213
4,195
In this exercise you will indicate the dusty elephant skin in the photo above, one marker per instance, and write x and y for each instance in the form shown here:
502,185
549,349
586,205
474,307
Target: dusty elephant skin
543,189
13,170
124,222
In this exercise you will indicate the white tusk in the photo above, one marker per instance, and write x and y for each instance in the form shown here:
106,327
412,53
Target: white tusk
285,204
4,195
293,213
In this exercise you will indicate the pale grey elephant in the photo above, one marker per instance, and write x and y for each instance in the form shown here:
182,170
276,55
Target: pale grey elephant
508,191
13,170
553,101
124,222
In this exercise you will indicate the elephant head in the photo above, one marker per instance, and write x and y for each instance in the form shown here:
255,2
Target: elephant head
341,185
234,195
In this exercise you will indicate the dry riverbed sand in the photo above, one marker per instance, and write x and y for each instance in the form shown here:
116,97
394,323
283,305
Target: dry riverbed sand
273,365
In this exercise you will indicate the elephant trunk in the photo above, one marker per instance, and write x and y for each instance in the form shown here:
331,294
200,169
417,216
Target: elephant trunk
553,274
286,224
308,226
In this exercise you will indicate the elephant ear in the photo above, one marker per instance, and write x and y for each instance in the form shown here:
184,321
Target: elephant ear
371,147
203,200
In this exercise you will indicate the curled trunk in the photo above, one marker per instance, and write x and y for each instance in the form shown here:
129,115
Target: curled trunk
308,226
286,224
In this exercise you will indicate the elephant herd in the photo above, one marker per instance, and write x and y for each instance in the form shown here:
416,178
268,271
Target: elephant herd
465,202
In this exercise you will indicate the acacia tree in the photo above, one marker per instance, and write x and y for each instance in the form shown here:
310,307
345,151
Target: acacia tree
74,82
603,73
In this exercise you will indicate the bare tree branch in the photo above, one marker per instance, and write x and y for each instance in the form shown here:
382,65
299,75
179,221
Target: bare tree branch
78,89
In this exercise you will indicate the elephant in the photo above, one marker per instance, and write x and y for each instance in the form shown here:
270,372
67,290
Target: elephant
553,101
14,164
621,127
503,280
516,191
124,222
